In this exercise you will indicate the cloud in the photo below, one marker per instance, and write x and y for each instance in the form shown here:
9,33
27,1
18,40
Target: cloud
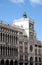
17,1
36,1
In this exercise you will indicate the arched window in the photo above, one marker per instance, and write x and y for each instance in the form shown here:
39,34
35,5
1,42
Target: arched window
1,37
39,59
6,50
35,59
2,62
10,38
31,48
16,39
1,50
16,63
11,62
7,62
6,38
31,59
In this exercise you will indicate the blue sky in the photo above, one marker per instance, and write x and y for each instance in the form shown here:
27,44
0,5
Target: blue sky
13,9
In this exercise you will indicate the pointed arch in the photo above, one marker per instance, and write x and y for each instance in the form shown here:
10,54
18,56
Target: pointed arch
16,63
11,62
7,62
2,62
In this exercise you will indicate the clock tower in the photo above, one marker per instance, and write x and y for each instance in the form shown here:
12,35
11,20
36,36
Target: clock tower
27,24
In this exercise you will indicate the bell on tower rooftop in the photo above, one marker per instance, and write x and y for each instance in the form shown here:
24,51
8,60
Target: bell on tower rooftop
24,15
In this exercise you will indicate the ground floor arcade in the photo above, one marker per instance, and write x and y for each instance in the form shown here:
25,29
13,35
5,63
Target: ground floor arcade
8,62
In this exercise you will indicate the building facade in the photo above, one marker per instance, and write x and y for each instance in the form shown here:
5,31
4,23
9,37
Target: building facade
8,44
31,48
18,43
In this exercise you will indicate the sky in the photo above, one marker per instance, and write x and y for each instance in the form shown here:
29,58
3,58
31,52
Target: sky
14,9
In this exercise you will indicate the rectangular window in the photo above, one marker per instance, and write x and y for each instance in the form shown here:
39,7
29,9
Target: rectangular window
39,59
26,57
0,50
39,51
35,59
21,49
21,57
35,51
1,37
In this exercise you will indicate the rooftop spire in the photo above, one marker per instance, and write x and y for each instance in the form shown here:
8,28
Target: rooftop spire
24,15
